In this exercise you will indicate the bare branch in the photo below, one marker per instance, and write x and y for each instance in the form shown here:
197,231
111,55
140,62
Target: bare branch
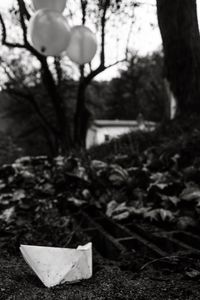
47,77
103,25
58,68
4,36
84,4
129,37
29,131
24,13
26,95
115,63
7,72
41,115
90,67
21,6
145,3
93,74
31,99
101,67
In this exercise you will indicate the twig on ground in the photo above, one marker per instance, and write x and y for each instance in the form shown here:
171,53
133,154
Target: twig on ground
157,260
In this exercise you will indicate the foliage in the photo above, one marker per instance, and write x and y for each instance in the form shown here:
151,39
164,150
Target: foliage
159,185
28,106
138,89
9,149
163,183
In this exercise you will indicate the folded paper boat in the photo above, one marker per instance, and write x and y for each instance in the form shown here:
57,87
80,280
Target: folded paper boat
58,265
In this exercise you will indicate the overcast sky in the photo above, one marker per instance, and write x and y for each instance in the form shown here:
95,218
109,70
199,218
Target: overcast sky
145,35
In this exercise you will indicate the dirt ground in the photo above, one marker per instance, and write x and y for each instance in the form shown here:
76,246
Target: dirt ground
161,281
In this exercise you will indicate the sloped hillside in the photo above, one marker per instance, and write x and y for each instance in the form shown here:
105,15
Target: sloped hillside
153,181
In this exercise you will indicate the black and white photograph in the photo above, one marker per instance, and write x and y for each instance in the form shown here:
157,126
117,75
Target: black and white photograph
99,150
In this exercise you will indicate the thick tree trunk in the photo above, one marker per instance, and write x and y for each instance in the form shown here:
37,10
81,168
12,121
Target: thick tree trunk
82,116
64,134
181,42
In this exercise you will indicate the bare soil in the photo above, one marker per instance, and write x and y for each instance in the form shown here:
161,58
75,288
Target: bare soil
159,280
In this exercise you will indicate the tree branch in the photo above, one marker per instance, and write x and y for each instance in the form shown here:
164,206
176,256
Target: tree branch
58,68
4,36
22,7
129,37
103,25
7,72
24,13
36,107
47,77
84,4
101,67
115,63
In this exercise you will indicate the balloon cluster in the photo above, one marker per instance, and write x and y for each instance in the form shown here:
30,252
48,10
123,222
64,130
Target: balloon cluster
50,33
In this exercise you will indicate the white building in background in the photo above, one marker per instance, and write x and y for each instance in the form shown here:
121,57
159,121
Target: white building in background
102,131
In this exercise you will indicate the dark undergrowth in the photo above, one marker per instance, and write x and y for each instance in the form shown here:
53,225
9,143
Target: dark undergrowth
156,175
175,133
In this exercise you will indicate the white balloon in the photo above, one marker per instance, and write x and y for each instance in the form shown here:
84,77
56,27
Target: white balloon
49,32
55,5
82,46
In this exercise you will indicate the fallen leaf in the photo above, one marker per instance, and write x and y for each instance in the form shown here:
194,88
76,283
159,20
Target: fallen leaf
86,194
159,214
121,208
118,175
2,184
77,202
122,216
139,211
98,165
7,214
59,161
175,200
185,221
111,206
166,215
193,274
190,193
18,195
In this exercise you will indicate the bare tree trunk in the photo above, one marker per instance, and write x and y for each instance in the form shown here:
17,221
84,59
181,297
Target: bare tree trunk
82,116
181,42
64,134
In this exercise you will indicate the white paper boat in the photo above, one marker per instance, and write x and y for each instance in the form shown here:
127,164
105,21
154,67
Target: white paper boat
58,265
